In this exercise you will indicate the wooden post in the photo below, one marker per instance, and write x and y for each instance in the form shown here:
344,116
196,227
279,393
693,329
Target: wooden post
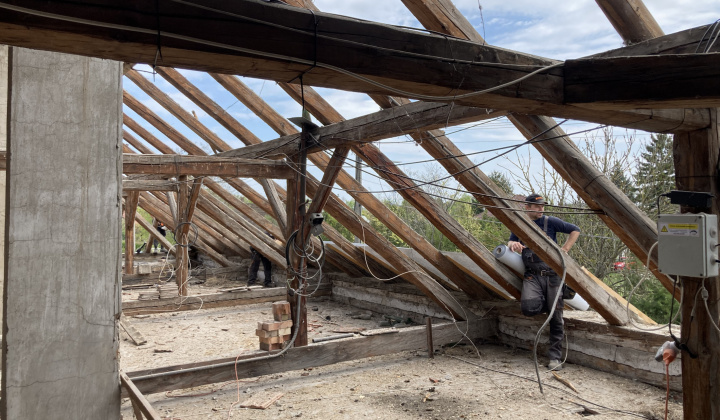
130,208
181,269
296,217
696,156
428,325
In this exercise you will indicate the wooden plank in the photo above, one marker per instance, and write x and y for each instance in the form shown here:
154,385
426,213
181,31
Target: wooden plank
138,400
131,331
368,128
313,355
196,302
175,165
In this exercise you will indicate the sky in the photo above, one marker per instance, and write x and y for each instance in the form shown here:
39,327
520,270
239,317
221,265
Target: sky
552,29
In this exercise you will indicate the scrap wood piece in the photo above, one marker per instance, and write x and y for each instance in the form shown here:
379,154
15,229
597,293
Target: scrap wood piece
234,289
261,400
564,382
379,331
131,331
353,330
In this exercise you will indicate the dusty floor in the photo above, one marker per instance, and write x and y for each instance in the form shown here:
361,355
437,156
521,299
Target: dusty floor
459,382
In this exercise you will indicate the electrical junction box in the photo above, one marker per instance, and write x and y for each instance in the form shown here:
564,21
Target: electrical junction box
687,244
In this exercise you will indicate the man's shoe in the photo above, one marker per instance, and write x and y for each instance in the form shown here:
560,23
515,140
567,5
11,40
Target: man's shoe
268,285
555,365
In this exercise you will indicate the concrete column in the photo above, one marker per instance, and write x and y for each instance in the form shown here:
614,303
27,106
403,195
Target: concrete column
62,291
4,50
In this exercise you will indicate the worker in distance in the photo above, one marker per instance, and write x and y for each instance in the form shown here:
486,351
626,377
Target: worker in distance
540,282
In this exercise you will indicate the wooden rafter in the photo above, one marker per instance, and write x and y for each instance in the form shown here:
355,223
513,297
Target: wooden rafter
217,236
428,207
441,147
228,122
341,212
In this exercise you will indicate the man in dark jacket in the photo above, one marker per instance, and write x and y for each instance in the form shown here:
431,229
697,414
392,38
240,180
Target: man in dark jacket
541,283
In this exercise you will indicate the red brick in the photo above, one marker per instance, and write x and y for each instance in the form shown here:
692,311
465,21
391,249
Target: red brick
268,347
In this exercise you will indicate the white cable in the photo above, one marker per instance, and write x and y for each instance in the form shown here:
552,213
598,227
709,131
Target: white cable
705,296
399,92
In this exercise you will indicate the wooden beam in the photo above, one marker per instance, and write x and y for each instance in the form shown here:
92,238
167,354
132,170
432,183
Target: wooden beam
412,338
139,402
631,19
689,41
181,237
207,301
148,185
206,205
174,165
142,132
696,156
664,81
328,180
184,143
416,63
131,203
373,127
273,198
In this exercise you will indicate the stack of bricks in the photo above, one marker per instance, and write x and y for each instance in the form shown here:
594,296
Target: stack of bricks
274,334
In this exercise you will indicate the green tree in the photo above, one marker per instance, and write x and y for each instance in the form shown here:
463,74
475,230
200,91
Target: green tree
655,175
501,180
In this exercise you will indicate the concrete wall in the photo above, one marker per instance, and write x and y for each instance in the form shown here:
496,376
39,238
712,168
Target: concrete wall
63,238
